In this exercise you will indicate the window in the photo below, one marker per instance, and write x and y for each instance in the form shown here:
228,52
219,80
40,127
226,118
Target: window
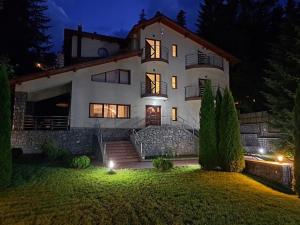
102,52
174,82
114,76
101,110
174,114
152,49
174,50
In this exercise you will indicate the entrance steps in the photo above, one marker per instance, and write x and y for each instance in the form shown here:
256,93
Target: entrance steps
121,152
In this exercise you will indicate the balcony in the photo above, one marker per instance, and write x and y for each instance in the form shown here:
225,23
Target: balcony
46,122
195,92
197,60
155,54
157,90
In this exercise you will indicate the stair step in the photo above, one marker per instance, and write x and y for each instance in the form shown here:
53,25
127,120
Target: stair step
125,160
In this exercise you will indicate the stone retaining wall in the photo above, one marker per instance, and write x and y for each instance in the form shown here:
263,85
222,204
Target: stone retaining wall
280,173
163,140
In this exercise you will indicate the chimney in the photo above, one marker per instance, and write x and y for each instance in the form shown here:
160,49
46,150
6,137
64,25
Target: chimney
79,43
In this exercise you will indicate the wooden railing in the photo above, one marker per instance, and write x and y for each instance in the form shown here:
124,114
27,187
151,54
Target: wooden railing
201,60
46,123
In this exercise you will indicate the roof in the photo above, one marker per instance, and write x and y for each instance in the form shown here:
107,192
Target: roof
74,67
96,36
184,31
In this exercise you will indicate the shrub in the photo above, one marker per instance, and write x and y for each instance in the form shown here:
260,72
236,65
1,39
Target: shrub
5,130
162,164
297,142
207,133
54,153
230,148
80,162
17,153
218,115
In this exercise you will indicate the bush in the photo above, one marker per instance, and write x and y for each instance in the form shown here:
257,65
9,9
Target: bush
162,164
80,162
5,130
53,153
230,148
207,134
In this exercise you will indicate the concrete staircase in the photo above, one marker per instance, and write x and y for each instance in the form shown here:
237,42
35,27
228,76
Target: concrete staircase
121,152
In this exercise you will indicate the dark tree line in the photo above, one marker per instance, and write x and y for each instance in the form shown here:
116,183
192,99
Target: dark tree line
24,39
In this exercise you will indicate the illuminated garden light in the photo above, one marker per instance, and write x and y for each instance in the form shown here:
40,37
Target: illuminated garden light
280,158
111,165
261,150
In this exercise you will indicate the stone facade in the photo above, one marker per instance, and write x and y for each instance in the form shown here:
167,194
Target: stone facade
162,140
19,110
77,140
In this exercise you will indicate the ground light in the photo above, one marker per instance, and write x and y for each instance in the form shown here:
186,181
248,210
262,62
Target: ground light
280,158
111,166
261,150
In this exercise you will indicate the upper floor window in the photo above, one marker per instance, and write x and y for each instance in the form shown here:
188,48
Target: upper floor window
153,49
174,50
101,110
174,113
114,76
102,52
174,82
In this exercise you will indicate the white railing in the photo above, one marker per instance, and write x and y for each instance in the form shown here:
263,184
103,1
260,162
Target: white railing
101,144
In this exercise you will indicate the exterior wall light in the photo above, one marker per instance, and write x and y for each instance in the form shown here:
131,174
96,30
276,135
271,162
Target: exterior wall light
261,151
280,158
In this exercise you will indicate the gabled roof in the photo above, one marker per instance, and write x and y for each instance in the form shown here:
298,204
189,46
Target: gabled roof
74,67
160,18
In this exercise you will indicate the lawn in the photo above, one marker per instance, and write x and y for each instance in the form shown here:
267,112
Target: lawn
49,195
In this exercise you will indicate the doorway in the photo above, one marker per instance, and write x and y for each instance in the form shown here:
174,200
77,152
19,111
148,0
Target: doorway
153,115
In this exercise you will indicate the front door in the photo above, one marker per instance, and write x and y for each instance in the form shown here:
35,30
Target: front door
153,115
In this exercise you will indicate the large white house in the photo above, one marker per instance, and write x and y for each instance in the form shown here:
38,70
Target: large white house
149,81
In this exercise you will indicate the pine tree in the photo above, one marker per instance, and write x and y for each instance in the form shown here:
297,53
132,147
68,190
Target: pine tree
218,116
181,18
26,41
207,133
142,16
297,142
230,148
5,130
282,77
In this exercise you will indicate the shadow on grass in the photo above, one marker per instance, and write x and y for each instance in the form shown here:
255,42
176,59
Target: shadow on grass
274,185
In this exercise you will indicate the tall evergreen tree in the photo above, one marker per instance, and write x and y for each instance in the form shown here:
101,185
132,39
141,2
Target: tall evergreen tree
207,133
282,77
218,118
142,15
230,147
297,142
181,18
25,40
5,130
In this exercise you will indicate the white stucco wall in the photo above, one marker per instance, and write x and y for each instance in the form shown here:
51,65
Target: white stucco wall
85,91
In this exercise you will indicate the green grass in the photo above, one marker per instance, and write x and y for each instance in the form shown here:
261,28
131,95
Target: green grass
49,195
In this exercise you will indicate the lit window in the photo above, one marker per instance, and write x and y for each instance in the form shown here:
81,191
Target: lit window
152,49
174,82
100,110
174,114
114,76
174,50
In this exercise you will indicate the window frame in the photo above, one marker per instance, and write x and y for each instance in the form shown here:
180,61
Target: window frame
117,109
119,77
176,50
176,113
176,82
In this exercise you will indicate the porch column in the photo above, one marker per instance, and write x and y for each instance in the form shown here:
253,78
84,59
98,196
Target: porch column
19,110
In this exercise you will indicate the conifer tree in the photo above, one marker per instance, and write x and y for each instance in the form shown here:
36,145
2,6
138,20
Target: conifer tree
181,18
297,142
142,15
5,130
218,117
230,147
207,133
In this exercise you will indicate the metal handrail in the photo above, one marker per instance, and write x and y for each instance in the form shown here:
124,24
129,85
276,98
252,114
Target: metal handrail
159,55
201,58
101,144
196,91
46,122
154,89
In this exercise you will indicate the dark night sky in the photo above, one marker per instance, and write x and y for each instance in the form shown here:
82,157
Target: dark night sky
112,17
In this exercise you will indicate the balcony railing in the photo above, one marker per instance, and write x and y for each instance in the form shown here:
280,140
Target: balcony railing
195,92
157,89
200,59
160,54
46,122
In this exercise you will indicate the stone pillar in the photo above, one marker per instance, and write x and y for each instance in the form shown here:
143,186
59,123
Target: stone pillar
19,110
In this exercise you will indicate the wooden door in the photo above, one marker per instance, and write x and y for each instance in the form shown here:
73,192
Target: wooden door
153,115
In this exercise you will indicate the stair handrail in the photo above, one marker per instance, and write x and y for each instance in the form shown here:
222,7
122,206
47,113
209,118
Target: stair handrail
101,144
138,143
